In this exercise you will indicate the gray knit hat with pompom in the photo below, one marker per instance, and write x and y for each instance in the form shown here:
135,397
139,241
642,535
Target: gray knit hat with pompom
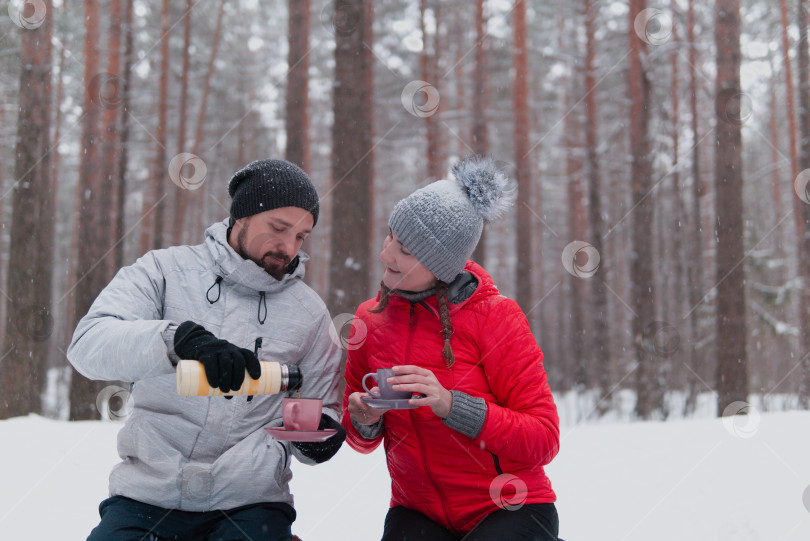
441,223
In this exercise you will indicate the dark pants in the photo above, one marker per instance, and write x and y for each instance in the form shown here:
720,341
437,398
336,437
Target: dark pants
124,519
532,522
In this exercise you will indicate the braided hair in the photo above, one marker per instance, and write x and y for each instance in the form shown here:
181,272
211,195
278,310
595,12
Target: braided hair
385,292
447,325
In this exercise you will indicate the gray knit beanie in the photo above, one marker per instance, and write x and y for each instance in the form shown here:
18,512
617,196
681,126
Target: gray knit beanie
270,184
441,223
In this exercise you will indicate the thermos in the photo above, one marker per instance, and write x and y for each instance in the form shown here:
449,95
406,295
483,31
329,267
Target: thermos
275,378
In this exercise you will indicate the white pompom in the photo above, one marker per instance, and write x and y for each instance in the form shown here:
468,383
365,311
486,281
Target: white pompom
487,187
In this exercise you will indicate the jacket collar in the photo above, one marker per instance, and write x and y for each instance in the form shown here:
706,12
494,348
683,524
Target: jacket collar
234,268
473,284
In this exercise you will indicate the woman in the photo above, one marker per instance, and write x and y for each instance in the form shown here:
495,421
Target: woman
467,459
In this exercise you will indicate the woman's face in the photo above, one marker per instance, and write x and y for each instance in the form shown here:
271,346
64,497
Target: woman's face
402,270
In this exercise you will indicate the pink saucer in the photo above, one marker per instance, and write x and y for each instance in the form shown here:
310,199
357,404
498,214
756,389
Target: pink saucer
282,434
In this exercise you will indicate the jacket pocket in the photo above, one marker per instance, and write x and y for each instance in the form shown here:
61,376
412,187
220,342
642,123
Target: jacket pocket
244,403
280,351
283,462
496,463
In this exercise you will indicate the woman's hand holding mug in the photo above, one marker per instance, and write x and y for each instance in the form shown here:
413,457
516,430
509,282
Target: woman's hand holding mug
415,379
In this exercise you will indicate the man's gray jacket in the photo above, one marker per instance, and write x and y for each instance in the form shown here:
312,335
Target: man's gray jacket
204,453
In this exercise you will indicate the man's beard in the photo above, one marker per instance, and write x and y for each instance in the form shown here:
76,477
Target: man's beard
276,270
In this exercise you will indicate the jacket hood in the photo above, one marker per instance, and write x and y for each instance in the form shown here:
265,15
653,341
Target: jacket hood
486,286
234,268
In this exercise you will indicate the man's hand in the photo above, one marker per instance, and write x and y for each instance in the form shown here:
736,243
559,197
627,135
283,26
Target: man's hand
224,362
323,450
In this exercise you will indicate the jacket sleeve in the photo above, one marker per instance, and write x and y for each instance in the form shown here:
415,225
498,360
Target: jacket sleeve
356,368
523,425
320,368
120,338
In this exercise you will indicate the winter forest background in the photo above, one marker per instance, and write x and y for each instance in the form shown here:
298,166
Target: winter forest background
660,245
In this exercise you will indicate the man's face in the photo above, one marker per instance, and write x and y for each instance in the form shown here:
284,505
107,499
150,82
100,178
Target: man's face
271,239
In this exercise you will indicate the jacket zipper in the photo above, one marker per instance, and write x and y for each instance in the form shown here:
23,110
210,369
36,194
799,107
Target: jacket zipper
257,346
437,490
411,330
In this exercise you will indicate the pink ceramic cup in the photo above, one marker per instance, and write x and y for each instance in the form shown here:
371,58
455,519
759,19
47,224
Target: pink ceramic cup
301,413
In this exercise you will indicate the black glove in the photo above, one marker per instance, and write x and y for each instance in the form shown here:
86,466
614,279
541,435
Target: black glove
224,362
321,451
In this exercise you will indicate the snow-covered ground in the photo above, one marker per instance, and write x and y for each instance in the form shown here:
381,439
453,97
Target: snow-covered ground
734,479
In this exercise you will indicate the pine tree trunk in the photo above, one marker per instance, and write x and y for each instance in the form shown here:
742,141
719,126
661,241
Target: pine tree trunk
732,373
804,164
296,118
480,137
678,220
198,199
695,270
181,196
428,68
600,358
3,263
60,329
791,108
576,229
776,156
120,185
30,320
776,177
460,49
297,103
352,157
111,145
798,212
648,384
523,161
91,276
160,166
57,130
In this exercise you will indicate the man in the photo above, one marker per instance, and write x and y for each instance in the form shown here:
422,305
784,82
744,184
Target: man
203,467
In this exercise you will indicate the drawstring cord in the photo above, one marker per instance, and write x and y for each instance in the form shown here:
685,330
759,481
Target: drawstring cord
262,302
262,318
219,290
262,299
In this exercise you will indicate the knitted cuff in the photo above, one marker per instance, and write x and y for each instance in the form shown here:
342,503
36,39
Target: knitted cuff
168,339
467,414
320,452
369,432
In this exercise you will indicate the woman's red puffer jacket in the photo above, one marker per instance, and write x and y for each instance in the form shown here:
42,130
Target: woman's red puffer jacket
451,478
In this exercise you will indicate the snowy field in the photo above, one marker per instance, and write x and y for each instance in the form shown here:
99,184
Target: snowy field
738,479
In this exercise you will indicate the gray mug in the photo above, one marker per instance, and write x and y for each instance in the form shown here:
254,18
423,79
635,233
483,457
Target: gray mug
386,390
